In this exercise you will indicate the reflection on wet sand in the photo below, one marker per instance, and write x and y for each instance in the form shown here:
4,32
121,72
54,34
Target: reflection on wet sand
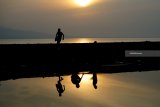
124,90
95,80
76,79
59,86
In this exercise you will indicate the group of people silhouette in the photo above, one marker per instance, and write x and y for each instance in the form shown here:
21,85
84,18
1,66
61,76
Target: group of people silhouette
76,81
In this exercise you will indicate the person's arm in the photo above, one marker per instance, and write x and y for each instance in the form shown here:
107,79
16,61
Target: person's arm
56,34
63,87
81,77
57,87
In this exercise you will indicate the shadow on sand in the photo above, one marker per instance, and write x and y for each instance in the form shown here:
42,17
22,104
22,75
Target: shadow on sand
31,71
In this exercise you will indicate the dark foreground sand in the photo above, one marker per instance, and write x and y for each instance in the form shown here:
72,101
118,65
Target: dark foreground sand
34,60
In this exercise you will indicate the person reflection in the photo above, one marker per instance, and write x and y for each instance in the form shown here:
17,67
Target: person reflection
59,86
95,80
76,79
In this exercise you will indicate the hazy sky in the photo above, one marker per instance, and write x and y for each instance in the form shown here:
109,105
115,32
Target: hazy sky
100,17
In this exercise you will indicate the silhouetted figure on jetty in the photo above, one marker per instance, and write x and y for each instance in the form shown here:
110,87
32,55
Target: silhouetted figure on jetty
95,80
76,79
59,86
95,42
59,36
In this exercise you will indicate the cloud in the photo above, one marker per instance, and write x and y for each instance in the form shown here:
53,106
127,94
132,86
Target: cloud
106,17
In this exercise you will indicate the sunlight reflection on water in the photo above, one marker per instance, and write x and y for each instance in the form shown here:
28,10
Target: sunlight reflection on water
140,89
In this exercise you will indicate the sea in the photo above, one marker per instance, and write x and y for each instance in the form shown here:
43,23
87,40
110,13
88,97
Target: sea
75,40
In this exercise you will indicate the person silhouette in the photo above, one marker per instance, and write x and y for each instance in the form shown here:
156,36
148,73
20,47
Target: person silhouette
76,79
59,36
59,86
95,80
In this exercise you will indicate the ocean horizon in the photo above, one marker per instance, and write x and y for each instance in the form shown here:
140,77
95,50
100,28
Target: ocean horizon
75,40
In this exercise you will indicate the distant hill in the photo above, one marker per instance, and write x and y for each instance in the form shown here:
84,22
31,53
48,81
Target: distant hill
8,33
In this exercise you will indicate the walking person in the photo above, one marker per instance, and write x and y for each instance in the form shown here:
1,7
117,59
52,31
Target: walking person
59,36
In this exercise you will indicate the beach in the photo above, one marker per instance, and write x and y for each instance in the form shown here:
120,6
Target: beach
31,60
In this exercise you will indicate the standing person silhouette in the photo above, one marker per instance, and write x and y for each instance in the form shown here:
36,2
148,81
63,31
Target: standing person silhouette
59,36
59,86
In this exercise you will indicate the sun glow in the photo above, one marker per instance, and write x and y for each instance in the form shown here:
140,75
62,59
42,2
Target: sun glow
86,77
83,3
83,40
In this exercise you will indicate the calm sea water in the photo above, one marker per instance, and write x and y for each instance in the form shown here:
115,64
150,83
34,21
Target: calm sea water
74,40
136,89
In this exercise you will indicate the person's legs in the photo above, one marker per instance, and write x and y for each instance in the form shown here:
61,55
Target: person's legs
58,42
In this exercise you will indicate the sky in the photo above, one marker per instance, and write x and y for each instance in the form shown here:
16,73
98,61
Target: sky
75,18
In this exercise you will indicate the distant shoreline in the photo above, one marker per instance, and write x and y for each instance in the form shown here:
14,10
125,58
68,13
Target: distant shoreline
76,40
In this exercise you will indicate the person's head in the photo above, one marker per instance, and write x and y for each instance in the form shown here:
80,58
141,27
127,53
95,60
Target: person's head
59,29
95,42
95,86
77,85
60,94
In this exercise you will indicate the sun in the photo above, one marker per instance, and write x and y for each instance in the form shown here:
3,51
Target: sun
83,3
83,40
